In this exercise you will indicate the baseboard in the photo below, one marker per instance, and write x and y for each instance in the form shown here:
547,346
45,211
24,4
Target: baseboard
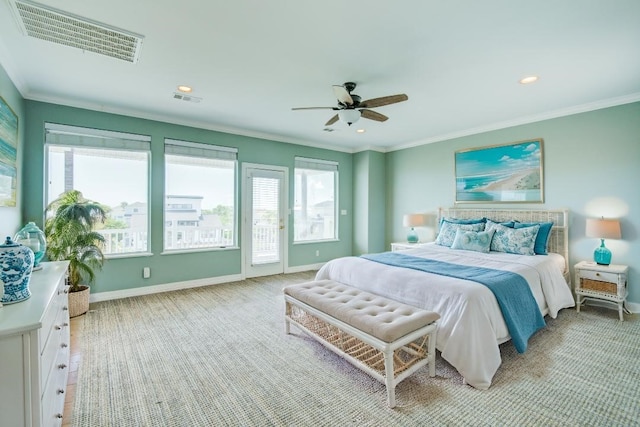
155,289
301,268
633,307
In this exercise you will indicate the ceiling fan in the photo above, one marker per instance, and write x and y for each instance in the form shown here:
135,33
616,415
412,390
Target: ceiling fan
350,108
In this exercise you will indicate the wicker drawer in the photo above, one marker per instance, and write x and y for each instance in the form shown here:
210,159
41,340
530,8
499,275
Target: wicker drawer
599,276
598,286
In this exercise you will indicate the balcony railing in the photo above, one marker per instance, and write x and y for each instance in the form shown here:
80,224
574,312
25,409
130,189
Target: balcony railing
124,241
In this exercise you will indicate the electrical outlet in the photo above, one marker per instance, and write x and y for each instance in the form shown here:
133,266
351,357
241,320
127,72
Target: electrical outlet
146,273
317,253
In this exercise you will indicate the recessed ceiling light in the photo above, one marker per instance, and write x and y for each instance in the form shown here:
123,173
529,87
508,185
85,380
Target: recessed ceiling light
528,80
185,89
360,130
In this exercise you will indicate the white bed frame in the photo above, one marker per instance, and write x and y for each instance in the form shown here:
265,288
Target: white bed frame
559,236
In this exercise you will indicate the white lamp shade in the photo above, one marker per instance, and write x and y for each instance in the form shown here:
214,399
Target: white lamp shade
603,228
414,220
349,116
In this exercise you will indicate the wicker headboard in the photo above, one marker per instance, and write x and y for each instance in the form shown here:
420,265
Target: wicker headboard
558,238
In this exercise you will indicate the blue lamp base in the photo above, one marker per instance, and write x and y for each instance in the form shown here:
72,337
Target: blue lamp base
412,237
602,255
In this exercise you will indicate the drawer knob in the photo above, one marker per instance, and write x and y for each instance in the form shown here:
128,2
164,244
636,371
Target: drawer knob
60,391
65,324
65,308
63,345
62,366
59,416
57,328
597,274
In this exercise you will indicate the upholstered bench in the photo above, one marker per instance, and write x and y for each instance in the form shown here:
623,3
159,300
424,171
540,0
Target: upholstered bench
385,338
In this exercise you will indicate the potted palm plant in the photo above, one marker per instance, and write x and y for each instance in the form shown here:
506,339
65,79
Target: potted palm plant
70,234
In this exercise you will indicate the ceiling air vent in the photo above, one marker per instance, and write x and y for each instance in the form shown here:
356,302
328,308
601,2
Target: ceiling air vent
185,97
63,28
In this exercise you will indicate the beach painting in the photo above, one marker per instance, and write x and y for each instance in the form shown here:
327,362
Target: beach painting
507,173
8,155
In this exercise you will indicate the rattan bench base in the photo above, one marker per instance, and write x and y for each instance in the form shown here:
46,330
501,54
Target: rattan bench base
389,363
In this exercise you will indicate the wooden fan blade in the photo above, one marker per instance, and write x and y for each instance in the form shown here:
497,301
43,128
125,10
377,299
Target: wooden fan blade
342,94
332,120
384,100
372,115
315,108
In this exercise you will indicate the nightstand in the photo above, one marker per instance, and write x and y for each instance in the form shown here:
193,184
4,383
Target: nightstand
399,246
601,282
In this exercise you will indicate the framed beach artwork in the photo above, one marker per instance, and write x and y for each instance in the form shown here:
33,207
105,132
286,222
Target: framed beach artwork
506,173
8,154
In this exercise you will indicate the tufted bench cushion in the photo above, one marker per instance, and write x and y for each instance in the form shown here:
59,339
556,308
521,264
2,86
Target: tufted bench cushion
380,317
385,338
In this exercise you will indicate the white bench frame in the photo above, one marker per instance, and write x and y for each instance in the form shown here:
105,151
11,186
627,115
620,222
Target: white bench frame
389,378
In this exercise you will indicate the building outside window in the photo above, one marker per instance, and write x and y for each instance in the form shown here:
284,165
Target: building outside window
200,195
92,161
315,207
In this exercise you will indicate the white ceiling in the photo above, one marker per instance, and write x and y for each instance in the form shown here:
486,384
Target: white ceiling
253,60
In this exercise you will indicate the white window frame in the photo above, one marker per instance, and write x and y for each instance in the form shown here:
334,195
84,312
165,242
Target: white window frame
320,165
200,150
98,139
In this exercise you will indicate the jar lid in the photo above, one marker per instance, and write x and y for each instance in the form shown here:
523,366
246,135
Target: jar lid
8,243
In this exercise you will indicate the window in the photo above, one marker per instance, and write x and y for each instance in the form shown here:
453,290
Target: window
200,194
92,161
316,183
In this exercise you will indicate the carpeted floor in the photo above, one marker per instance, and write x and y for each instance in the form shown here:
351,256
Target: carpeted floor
218,356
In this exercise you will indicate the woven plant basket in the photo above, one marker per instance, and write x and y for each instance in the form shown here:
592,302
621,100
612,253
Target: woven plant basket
79,302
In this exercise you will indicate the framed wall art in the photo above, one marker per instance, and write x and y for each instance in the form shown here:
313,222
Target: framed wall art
506,173
8,154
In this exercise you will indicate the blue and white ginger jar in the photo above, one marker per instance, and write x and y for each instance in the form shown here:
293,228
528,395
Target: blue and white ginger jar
16,264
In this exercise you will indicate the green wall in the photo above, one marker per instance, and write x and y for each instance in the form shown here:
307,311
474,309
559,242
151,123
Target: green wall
126,273
591,167
10,217
369,181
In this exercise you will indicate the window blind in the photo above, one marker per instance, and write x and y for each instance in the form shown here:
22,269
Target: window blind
65,135
194,149
324,165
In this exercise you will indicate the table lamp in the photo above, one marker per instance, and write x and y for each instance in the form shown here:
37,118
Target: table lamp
603,229
413,220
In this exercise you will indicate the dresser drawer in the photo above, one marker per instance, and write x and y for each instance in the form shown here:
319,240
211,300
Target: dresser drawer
53,396
57,339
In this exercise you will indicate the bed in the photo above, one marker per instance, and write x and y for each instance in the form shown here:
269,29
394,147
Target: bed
472,324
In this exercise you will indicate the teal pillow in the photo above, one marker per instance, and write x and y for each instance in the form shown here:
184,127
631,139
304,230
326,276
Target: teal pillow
479,241
542,239
513,240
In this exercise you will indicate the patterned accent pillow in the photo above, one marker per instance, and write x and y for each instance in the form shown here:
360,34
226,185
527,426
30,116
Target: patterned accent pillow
509,224
448,231
513,240
462,221
479,241
542,239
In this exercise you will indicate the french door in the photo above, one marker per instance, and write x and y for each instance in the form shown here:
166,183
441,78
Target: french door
264,231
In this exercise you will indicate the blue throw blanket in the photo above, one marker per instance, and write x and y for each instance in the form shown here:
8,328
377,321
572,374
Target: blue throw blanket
519,307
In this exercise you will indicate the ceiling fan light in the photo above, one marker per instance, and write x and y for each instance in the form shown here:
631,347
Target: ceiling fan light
349,116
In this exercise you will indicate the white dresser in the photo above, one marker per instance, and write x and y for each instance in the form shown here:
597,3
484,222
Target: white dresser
34,351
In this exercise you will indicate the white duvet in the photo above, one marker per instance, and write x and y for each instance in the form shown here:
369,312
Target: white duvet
471,325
